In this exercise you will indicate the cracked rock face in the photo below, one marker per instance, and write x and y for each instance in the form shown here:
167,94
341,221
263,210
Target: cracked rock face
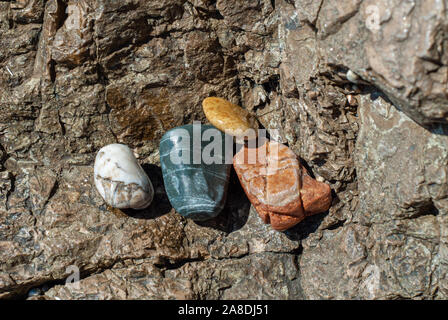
78,75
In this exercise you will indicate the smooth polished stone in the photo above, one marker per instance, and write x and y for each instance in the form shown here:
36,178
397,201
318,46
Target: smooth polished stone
280,189
196,187
120,179
230,118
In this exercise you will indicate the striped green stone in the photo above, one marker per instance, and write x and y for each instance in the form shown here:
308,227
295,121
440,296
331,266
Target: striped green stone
196,190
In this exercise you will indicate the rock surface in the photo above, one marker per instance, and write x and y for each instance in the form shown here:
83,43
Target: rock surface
78,75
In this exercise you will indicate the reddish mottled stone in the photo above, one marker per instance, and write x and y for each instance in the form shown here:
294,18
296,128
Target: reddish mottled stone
281,190
316,196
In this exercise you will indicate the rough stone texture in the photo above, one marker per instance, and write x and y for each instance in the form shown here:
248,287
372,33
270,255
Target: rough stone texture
403,46
77,75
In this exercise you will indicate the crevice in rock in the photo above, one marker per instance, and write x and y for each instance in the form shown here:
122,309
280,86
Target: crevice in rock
102,75
53,191
426,208
432,60
51,70
12,179
60,16
63,130
167,265
272,85
43,286
10,19
291,2
298,251
308,168
40,287
336,225
4,156
297,256
210,14
234,257
312,26
317,15
47,284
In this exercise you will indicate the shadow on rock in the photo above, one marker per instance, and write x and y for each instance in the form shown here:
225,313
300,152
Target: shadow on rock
310,224
303,229
236,211
160,204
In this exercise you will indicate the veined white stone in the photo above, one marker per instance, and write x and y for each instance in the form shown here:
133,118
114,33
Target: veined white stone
120,179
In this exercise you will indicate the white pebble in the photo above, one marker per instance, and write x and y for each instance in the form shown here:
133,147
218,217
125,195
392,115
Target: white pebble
352,77
120,179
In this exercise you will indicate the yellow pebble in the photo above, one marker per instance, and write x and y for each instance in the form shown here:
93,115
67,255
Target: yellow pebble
230,118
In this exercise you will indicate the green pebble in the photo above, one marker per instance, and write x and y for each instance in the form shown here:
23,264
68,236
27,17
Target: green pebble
196,190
